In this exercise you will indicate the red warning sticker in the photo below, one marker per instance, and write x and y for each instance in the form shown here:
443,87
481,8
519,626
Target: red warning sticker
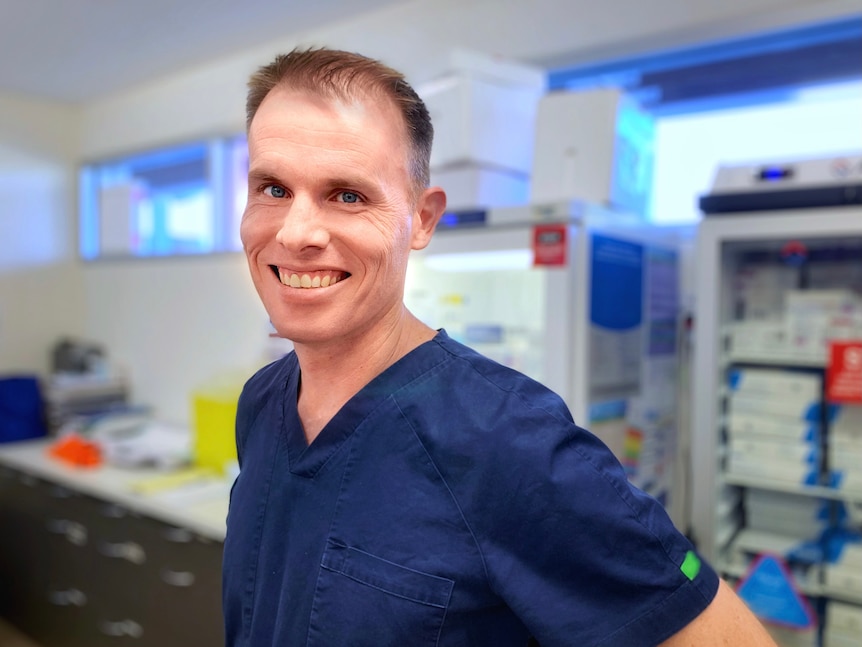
549,245
844,372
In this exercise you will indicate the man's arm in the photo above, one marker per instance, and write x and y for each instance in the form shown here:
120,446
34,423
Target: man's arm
726,622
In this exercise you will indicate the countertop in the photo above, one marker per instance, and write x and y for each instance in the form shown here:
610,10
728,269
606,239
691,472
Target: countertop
199,504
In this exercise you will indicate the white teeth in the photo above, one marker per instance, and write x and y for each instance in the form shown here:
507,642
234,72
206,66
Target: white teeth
306,281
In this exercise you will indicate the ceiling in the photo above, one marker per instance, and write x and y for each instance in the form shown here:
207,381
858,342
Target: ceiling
78,50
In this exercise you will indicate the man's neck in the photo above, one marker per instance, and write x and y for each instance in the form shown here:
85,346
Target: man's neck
334,373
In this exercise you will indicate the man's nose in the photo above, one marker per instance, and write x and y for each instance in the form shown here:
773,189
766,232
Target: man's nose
303,225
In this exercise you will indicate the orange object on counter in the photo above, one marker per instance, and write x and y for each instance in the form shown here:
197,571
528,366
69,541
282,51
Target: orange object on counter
77,451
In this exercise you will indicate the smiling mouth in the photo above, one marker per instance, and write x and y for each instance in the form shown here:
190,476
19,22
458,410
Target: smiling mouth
308,280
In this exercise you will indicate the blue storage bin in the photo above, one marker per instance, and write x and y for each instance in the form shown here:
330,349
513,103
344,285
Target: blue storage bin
22,410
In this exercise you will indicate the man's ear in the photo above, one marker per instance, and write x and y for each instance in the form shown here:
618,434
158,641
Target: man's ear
429,209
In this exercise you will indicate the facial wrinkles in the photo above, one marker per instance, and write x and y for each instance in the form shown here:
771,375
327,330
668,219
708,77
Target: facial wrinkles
302,153
385,201
335,130
390,216
344,163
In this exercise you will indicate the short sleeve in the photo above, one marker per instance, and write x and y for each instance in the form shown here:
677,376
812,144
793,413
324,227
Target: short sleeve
580,555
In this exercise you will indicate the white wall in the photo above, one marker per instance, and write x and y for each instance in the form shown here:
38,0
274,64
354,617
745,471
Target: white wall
40,284
173,323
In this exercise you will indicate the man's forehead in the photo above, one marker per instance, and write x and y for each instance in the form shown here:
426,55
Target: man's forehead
291,110
358,103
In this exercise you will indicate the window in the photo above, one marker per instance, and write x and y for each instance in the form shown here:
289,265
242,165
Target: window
181,200
779,96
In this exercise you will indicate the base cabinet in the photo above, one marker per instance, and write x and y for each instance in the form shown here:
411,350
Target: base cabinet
77,571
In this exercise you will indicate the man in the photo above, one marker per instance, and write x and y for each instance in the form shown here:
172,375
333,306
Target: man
396,488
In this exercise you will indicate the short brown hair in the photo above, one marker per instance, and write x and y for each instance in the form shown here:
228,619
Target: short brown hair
346,75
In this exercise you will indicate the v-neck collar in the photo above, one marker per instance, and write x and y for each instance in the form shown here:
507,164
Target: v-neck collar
307,459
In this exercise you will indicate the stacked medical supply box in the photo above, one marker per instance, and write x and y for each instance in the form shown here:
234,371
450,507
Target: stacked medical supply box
791,637
774,424
843,626
843,573
786,513
844,456
791,325
484,111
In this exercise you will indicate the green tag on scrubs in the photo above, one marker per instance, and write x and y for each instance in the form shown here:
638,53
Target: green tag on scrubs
690,565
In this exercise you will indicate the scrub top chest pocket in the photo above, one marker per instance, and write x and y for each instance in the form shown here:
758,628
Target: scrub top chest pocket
362,600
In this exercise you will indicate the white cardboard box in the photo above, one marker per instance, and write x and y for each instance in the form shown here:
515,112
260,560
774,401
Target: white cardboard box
473,186
743,424
845,618
769,450
843,578
595,146
776,383
791,472
840,639
786,637
847,480
847,422
842,458
768,406
835,301
481,121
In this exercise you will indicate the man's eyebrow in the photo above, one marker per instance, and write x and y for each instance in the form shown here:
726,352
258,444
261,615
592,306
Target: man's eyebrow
348,182
358,182
262,175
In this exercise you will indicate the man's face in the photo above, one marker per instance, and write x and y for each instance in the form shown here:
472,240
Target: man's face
330,216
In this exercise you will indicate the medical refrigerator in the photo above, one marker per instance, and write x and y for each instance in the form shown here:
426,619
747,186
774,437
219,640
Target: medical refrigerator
777,411
577,296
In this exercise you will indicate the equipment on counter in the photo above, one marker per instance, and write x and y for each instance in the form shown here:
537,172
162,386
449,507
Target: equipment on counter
801,184
22,410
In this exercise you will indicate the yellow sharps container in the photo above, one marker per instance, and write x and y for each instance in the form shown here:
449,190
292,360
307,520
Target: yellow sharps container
214,415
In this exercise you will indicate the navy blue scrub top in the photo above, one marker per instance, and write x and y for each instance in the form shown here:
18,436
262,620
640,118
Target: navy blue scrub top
452,501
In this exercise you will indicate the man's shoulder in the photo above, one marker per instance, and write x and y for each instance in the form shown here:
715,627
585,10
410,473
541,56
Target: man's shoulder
473,374
468,397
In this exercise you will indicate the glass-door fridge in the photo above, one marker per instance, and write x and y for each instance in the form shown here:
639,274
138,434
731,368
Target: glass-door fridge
579,297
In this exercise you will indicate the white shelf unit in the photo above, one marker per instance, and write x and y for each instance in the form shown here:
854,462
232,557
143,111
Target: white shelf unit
725,244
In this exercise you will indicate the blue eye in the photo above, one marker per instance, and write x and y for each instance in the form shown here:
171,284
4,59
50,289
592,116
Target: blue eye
274,191
349,197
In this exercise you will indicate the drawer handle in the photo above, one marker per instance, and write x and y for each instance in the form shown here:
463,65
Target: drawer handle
177,535
29,481
121,628
178,578
128,550
113,511
60,492
68,598
74,532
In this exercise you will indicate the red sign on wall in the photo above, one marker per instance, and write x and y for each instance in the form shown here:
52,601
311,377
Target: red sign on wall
844,372
549,245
